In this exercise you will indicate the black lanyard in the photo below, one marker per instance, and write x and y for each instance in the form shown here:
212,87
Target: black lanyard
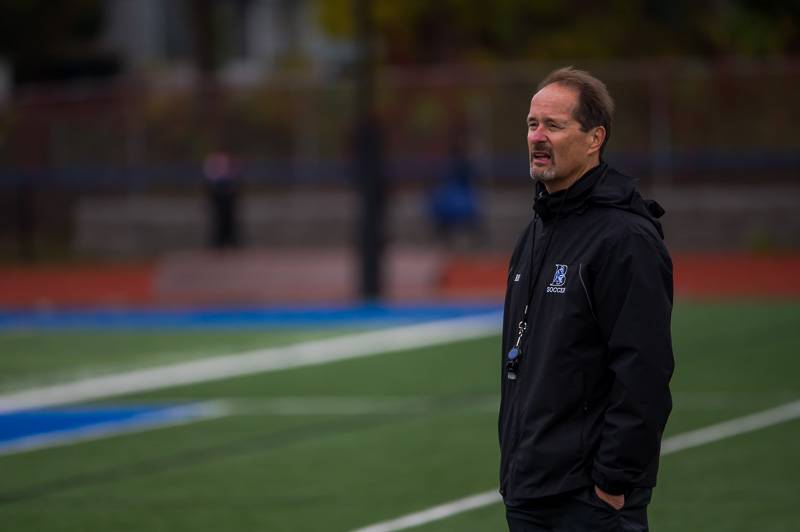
515,352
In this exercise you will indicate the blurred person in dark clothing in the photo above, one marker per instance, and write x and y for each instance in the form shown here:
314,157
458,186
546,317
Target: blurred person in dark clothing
220,176
587,352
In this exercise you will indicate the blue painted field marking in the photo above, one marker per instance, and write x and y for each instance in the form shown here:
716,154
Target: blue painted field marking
29,430
260,317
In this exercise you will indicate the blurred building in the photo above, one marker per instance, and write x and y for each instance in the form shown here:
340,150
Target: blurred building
109,164
252,39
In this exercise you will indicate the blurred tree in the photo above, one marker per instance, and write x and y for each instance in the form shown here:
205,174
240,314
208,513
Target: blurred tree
420,31
753,27
47,40
204,37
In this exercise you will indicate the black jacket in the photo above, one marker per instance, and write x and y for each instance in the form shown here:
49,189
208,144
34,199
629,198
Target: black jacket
591,397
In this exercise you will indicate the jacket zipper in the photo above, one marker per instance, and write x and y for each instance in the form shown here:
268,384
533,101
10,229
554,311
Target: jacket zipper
515,418
512,458
585,407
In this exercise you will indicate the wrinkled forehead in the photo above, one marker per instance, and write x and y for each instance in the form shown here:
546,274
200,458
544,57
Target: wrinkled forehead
554,100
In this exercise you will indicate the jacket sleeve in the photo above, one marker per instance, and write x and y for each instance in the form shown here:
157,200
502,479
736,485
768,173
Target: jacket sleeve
633,301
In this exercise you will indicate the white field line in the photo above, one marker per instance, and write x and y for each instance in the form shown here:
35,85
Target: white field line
726,429
257,361
687,440
436,513
171,417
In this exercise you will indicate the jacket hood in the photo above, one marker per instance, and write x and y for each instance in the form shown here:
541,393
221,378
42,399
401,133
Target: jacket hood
601,186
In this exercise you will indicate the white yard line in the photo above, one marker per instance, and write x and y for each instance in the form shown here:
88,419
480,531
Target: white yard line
258,361
436,513
726,429
171,417
687,440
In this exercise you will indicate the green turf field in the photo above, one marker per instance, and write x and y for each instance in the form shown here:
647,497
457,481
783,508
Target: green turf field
30,358
342,445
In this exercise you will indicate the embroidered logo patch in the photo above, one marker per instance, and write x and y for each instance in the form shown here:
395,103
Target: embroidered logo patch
559,279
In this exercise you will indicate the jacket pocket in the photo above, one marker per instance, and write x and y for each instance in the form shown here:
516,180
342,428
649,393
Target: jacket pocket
600,502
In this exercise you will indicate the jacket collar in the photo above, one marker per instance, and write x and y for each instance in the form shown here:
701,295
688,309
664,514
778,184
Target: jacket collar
602,186
574,199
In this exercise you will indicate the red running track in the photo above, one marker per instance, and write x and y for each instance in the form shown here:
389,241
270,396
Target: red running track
716,276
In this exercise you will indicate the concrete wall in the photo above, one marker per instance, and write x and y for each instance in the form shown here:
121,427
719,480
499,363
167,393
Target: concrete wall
698,219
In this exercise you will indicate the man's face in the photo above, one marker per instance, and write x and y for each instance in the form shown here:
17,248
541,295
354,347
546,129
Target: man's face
558,151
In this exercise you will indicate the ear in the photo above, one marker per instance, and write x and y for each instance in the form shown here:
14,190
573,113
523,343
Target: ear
596,138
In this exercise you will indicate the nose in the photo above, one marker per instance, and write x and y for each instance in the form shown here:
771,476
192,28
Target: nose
536,134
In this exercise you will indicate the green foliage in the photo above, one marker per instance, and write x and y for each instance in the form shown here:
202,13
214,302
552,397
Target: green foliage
413,31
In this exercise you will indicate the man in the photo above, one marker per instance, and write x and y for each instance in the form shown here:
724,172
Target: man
587,353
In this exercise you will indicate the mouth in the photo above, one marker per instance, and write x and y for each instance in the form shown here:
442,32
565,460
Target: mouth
541,158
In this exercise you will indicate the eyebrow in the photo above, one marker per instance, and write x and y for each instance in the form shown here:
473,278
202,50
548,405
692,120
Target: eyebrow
547,119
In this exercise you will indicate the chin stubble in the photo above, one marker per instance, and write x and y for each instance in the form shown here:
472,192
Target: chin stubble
547,174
